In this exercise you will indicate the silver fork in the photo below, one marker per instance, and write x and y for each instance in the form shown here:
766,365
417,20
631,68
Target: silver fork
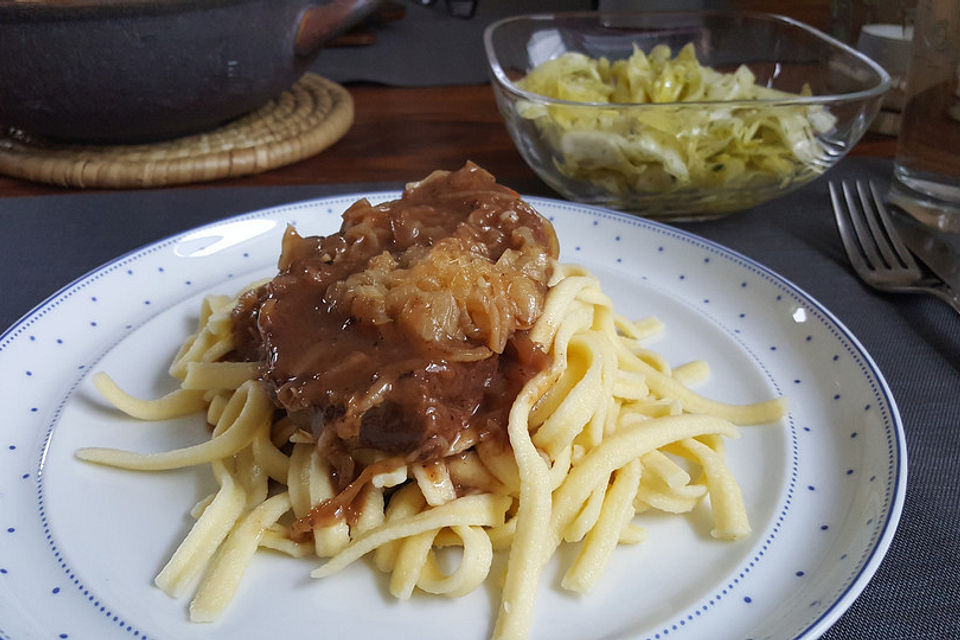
874,247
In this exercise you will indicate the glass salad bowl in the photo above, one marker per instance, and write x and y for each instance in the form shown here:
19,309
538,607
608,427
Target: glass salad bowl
678,115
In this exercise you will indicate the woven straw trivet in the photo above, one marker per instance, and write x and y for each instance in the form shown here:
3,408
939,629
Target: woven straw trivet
302,121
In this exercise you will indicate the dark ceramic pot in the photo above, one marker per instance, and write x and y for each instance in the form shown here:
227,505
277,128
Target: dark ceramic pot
140,70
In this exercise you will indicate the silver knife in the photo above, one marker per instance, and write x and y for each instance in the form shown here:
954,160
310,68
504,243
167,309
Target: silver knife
941,258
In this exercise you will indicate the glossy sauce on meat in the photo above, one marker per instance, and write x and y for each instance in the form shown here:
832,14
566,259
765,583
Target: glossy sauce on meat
405,332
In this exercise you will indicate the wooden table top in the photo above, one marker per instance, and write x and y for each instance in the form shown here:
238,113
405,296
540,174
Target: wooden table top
402,134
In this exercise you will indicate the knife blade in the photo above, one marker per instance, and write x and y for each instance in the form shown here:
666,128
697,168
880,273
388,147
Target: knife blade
937,254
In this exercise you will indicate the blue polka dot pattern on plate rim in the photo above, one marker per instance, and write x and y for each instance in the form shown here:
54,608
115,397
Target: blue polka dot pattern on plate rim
27,455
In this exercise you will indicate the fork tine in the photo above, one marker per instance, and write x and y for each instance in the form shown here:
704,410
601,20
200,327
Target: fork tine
847,234
858,242
869,206
864,237
905,255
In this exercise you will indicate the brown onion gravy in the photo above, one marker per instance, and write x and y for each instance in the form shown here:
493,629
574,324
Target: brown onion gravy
406,331
344,505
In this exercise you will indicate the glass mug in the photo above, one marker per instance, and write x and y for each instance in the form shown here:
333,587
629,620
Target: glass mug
927,166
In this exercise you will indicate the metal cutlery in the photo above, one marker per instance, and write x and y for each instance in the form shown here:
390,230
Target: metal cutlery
875,248
932,250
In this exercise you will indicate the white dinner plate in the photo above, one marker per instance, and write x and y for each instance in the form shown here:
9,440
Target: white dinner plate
80,544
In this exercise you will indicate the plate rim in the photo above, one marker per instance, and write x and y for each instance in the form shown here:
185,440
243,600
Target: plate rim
878,547
845,599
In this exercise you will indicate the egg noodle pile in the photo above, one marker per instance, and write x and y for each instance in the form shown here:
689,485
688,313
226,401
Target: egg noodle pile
606,432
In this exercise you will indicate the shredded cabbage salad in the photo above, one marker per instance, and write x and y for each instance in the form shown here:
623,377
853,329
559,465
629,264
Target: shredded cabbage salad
635,150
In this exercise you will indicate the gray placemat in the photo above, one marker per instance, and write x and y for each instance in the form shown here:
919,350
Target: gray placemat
915,341
429,46
48,241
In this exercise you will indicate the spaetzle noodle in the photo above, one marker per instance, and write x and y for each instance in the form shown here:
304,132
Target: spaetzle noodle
606,431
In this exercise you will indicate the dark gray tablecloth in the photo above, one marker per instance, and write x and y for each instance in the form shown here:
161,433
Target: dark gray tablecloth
429,46
48,241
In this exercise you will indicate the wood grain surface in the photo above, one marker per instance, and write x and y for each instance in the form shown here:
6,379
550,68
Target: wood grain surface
401,134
